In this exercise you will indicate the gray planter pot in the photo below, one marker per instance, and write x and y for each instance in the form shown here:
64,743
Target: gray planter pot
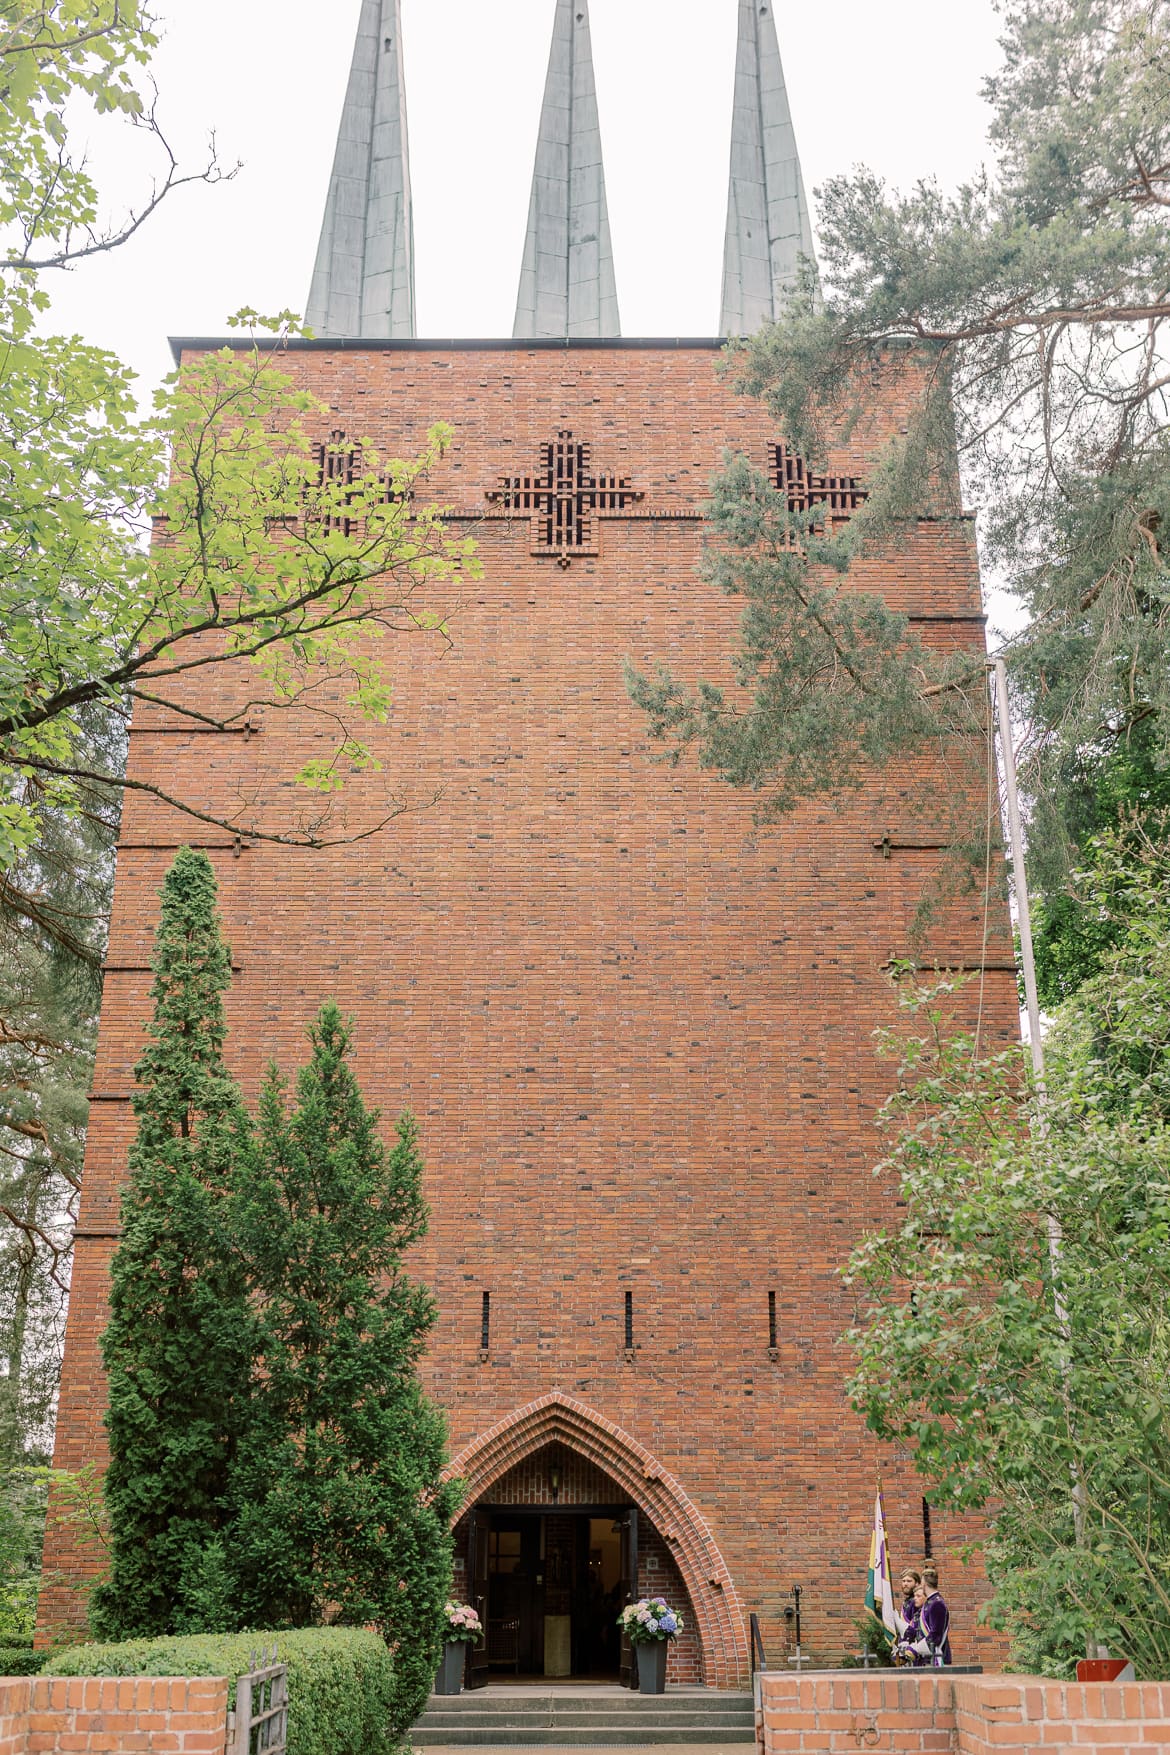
450,1677
652,1666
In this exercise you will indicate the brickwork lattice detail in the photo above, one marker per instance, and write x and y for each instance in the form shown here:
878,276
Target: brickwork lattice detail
839,494
563,498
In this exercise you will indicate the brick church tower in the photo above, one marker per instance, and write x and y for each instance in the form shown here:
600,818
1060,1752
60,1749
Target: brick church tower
635,1027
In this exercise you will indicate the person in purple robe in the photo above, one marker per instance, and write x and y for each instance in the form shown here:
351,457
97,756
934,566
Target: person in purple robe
910,1629
934,1646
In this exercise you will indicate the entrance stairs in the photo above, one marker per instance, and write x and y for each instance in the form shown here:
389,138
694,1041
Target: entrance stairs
566,1717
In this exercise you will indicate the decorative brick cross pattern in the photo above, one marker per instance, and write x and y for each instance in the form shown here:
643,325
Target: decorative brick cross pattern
563,499
839,494
339,464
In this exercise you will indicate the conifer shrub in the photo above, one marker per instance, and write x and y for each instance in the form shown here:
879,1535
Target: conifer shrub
340,1506
274,1460
21,1660
178,1350
342,1689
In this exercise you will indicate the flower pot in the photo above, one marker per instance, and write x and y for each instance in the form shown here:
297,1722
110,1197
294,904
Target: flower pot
450,1677
652,1666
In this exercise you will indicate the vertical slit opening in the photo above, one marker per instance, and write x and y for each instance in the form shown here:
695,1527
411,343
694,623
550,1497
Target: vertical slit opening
927,1537
485,1323
629,1319
772,1342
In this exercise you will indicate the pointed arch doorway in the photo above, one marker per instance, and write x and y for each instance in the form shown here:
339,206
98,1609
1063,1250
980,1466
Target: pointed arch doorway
568,1517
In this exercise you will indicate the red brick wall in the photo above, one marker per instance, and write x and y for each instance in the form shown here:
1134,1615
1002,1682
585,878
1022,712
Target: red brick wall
905,1710
581,1481
1023,1712
110,1715
637,1029
15,1697
916,1712
659,1576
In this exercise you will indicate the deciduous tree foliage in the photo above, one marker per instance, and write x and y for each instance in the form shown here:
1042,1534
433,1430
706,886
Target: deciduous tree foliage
1013,1371
1028,314
300,588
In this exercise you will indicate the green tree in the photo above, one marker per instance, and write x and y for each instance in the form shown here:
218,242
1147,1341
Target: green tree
266,587
52,935
1025,318
179,1346
340,1510
1013,1369
1122,792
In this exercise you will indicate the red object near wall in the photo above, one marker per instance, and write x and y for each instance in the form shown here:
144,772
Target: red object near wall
1104,1670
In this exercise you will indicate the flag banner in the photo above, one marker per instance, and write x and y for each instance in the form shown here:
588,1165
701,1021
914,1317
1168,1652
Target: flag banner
879,1591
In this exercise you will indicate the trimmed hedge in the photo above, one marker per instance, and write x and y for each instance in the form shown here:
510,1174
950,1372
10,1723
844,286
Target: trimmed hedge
21,1660
341,1689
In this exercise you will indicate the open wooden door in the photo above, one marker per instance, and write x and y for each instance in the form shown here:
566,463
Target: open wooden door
475,1674
628,1592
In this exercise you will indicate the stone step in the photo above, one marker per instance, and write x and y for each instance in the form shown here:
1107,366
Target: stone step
583,1721
568,1718
655,1704
486,1701
636,1735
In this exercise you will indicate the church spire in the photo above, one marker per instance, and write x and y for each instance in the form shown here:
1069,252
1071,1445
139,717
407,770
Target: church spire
567,284
363,283
768,227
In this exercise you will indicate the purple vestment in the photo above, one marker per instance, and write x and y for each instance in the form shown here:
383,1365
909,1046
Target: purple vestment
935,1621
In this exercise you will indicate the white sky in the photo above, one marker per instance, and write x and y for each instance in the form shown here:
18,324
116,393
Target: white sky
893,85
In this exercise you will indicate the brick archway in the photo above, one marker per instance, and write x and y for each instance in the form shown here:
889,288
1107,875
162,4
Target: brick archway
559,1418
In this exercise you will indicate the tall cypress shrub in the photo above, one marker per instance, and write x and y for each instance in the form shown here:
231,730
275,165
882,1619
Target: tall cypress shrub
179,1345
341,1512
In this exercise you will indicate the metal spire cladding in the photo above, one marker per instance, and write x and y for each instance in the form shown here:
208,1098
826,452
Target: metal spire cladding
768,227
363,282
567,284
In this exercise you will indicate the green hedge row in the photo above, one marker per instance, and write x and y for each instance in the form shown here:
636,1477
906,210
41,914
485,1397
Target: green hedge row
341,1692
21,1660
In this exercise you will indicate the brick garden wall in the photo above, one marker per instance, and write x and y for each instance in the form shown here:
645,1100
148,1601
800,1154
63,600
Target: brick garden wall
1023,1712
927,1712
112,1715
15,1696
636,1028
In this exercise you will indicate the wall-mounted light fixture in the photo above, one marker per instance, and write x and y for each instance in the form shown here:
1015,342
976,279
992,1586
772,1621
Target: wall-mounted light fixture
554,1482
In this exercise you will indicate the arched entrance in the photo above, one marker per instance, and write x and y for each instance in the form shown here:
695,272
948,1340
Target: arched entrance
591,1458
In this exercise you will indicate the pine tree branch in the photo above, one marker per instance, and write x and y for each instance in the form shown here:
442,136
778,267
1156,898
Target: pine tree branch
51,920
1080,316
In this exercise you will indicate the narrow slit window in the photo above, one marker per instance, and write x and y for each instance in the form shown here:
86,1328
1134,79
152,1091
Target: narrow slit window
772,1321
629,1319
485,1323
927,1537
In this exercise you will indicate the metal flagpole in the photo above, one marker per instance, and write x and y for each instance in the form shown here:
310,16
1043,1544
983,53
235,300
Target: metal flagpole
1019,872
1036,1043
